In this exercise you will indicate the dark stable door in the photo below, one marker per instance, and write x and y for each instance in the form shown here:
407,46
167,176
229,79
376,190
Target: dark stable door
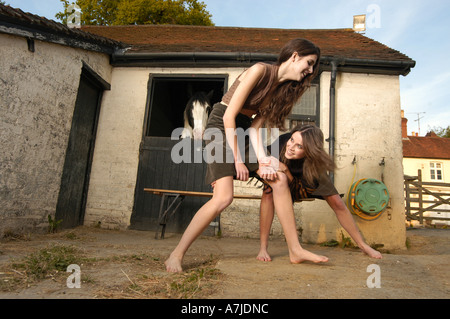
157,170
75,178
166,102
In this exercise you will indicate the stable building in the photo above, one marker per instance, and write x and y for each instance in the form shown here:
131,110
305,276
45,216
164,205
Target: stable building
52,82
147,74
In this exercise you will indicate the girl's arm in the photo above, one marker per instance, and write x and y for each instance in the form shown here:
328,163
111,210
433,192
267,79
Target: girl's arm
248,81
268,166
346,220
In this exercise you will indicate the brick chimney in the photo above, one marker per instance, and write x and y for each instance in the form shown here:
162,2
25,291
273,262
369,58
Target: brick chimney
404,125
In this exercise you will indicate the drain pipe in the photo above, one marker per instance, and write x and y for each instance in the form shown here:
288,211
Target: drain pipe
332,123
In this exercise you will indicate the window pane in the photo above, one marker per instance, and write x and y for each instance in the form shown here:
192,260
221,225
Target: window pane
308,103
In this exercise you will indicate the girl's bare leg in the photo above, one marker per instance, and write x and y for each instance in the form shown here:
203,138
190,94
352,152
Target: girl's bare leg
267,212
222,198
285,212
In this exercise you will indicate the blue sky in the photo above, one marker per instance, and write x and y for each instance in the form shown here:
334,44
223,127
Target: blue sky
417,28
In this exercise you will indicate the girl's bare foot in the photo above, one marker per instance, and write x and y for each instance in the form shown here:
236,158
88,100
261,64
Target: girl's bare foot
173,264
263,255
305,255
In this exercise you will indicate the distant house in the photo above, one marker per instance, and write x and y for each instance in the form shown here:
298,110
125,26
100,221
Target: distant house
150,71
431,155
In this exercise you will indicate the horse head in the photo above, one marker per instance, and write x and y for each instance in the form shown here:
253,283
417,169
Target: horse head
196,115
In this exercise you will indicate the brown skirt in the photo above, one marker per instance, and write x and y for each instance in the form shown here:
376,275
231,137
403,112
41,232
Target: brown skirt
219,155
322,188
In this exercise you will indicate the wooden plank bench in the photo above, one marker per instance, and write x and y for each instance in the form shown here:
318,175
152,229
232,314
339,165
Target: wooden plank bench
175,199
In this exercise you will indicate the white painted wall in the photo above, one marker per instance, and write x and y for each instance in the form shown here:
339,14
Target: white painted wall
412,165
368,126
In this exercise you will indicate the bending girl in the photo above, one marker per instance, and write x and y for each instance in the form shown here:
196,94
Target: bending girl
268,91
305,163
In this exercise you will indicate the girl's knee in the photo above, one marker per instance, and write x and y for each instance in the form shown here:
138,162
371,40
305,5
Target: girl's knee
223,202
223,193
267,195
280,183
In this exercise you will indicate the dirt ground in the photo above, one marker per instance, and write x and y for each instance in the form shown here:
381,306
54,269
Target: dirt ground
129,264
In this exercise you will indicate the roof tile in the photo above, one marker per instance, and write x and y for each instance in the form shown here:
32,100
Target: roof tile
426,147
177,38
180,38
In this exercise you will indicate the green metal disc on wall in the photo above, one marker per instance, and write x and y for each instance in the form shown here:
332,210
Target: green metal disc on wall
371,196
368,198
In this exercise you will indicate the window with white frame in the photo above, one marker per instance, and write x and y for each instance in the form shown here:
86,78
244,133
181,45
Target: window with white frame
436,171
306,110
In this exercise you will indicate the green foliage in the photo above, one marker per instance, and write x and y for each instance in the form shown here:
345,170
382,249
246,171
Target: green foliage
48,261
139,12
330,243
442,132
345,242
53,224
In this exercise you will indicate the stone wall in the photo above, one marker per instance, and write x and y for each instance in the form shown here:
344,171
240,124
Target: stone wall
37,97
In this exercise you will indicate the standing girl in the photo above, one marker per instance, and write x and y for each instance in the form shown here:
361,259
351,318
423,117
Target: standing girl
266,93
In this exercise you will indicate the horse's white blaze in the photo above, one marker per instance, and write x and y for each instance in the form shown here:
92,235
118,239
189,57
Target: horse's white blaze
200,117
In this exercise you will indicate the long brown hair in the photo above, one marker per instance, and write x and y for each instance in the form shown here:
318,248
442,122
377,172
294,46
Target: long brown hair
316,160
284,95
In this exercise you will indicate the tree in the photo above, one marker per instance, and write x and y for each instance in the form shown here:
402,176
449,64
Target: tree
126,12
442,132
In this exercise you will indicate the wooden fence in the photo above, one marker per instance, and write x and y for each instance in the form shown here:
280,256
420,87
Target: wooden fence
429,201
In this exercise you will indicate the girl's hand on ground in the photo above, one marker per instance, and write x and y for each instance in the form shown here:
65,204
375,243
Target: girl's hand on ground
372,253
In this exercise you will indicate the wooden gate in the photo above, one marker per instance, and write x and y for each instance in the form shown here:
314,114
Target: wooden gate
429,201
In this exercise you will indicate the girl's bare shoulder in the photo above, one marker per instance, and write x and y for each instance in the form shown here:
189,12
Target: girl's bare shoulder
254,72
